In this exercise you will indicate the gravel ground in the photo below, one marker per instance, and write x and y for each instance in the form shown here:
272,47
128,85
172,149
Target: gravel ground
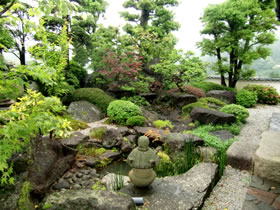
230,191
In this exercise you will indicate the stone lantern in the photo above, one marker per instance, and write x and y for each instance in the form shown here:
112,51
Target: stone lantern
142,160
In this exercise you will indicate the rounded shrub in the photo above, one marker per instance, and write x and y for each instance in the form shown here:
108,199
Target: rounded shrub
93,95
120,111
136,121
246,98
265,94
240,112
211,100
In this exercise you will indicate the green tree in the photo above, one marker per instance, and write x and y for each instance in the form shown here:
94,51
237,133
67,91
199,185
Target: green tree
180,68
151,15
236,33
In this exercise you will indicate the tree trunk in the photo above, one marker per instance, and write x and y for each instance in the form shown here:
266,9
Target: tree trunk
219,57
145,14
22,56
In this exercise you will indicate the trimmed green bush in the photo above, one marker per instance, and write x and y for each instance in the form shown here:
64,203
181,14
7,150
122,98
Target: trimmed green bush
265,94
93,95
246,98
240,112
207,86
135,121
120,111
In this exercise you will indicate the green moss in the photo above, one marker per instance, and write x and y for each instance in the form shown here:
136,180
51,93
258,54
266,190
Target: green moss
188,108
207,86
78,125
213,101
98,186
97,133
90,151
47,206
24,202
93,95
159,124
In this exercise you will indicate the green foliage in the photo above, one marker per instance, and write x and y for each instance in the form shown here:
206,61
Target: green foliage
93,95
246,98
236,33
265,94
212,101
188,108
179,163
90,151
207,86
120,111
24,202
179,68
118,181
213,141
98,186
136,121
76,74
159,124
138,100
34,114
240,112
97,133
151,15
78,125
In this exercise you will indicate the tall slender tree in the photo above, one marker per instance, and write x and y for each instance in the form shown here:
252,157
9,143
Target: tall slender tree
236,33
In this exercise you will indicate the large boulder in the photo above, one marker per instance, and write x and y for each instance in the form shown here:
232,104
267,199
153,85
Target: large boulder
50,161
267,157
87,199
84,111
224,95
176,141
208,116
185,191
182,99
111,138
74,139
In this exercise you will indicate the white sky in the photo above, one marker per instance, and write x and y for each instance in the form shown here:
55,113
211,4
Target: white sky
187,14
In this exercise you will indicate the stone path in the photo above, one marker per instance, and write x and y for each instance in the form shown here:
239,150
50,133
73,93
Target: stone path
262,195
230,193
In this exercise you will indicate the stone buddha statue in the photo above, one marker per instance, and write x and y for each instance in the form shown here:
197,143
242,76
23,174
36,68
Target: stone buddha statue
142,160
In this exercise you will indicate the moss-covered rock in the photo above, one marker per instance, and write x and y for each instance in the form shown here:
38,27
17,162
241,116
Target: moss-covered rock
93,95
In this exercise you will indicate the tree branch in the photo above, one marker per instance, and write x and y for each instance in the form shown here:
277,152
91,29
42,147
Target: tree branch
7,8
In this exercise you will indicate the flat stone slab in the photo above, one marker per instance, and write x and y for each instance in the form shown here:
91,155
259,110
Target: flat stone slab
87,199
182,192
275,122
267,157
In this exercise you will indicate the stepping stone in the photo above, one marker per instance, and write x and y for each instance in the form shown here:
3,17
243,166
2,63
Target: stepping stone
240,155
267,157
185,191
275,122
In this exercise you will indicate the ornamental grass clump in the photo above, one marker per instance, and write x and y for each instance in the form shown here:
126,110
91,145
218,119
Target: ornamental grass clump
240,112
120,111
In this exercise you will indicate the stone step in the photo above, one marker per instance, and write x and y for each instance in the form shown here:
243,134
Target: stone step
240,155
229,192
185,191
267,157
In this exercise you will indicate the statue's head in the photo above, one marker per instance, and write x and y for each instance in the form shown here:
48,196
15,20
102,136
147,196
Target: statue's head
143,143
